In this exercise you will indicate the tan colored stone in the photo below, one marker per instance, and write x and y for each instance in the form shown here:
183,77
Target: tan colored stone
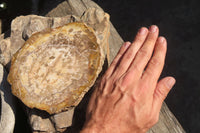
24,26
5,53
41,124
63,120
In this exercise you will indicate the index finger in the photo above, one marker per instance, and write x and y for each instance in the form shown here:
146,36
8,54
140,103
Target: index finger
145,52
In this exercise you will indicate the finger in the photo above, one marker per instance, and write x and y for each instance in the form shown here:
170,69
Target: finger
131,52
116,60
155,65
145,52
162,89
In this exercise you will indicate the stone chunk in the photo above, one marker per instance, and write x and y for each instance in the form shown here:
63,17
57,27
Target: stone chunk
7,108
24,26
41,124
5,52
63,120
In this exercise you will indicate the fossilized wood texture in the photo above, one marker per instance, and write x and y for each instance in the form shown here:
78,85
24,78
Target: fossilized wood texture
22,28
55,68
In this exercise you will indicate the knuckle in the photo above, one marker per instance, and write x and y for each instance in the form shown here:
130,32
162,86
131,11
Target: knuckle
149,72
143,52
105,77
120,53
138,39
154,62
121,67
135,97
118,84
136,67
128,78
114,63
151,39
129,55
161,93
144,86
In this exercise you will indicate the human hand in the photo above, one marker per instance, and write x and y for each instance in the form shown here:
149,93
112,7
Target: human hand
129,96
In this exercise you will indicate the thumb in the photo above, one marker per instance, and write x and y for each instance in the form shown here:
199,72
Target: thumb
162,89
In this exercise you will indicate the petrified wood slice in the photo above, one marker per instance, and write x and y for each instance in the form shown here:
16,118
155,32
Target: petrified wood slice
56,67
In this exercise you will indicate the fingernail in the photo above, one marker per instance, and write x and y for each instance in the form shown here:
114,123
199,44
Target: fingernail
153,28
127,44
142,31
161,39
171,82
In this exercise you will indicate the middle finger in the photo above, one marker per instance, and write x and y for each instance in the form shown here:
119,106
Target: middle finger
145,52
130,53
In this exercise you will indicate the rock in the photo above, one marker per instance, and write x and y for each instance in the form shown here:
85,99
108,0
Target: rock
5,53
98,19
55,68
0,26
7,110
22,28
63,120
40,124
41,121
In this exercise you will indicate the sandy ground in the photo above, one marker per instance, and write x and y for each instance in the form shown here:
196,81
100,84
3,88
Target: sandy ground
179,22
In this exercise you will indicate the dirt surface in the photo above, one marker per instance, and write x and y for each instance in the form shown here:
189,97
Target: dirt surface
179,22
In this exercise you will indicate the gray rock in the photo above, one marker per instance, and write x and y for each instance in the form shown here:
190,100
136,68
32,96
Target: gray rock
7,110
41,124
63,120
5,53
